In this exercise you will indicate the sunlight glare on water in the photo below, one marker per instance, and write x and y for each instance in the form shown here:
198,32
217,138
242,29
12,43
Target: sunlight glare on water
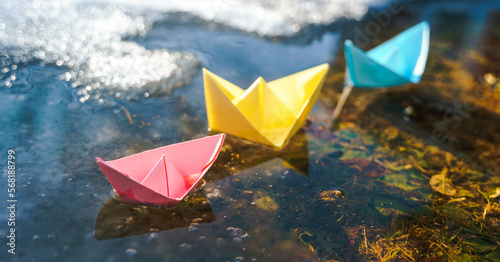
93,41
89,42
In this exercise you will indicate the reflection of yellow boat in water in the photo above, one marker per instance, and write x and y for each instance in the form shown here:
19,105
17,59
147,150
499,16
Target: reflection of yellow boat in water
268,113
118,219
240,155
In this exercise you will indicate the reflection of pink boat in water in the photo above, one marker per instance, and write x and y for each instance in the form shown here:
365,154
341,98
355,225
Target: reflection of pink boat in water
162,176
117,219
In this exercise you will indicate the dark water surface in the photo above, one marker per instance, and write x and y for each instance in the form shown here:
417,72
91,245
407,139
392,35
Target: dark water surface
369,188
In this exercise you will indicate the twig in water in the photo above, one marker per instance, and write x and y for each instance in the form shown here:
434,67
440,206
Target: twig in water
366,242
127,113
343,97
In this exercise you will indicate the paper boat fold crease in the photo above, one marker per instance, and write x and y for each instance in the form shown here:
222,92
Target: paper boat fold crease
267,113
162,176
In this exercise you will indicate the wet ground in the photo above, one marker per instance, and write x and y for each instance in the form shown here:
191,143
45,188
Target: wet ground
406,174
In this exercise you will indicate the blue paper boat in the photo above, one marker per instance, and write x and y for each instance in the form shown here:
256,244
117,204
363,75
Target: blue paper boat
397,61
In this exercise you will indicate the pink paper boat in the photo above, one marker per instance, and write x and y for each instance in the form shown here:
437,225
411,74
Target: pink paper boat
163,176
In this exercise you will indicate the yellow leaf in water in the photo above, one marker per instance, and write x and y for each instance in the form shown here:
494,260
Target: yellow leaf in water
496,194
267,203
489,78
391,133
442,184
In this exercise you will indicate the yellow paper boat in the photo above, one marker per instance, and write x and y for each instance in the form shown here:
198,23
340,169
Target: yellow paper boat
267,113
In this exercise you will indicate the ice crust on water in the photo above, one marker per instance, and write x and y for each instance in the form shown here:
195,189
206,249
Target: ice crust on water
88,41
264,17
91,39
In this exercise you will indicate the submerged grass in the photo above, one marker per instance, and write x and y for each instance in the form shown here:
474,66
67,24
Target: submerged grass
461,223
425,157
